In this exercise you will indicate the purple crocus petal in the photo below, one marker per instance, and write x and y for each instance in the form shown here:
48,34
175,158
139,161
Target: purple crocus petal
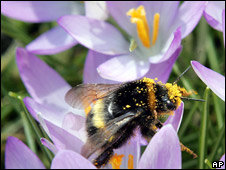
124,68
63,139
163,152
176,118
213,14
19,156
42,82
52,112
51,42
75,124
96,9
163,70
174,45
118,11
67,159
189,15
223,24
96,35
93,60
214,80
39,11
49,145
222,159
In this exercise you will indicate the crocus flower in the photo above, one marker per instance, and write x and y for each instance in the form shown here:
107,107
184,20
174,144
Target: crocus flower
213,14
66,126
156,27
55,40
214,80
163,152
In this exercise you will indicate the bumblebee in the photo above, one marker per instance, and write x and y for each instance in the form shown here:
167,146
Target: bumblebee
114,111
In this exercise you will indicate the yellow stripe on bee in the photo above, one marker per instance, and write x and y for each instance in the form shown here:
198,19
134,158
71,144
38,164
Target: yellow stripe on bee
98,114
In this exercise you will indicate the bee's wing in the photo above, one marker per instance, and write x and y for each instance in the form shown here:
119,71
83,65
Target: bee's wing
110,129
81,96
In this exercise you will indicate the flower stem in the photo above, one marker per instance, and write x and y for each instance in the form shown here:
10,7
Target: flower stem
202,138
35,127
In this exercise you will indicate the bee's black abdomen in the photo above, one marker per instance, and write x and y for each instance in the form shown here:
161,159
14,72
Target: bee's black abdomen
103,158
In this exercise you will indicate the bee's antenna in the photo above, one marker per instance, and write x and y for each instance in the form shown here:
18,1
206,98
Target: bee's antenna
201,100
178,78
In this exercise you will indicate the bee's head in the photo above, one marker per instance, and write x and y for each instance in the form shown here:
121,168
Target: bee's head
168,96
164,98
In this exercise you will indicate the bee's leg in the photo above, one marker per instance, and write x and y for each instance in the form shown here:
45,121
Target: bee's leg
186,149
147,132
103,158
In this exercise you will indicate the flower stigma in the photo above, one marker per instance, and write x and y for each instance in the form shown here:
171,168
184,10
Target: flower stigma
138,17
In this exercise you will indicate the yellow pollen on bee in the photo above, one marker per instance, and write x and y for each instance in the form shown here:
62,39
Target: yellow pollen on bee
116,161
128,106
138,17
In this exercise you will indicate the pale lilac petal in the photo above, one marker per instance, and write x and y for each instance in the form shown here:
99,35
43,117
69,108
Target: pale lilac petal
214,80
51,42
173,47
90,74
42,82
63,139
96,9
19,156
124,68
96,35
118,11
49,145
222,159
163,152
213,14
52,112
67,159
189,15
38,11
176,118
76,125
223,24
162,70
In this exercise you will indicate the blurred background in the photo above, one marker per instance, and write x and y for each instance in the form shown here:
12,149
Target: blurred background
204,45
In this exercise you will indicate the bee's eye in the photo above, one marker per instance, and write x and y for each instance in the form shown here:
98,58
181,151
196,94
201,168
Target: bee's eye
170,105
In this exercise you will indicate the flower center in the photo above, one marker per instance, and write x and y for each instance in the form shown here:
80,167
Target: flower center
138,17
116,161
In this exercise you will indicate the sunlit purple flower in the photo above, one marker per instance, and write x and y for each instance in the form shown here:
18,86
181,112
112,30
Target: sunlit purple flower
156,27
213,14
214,80
163,152
66,126
56,39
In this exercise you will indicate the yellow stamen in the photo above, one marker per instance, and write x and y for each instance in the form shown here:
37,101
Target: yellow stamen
130,162
116,161
155,28
138,16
